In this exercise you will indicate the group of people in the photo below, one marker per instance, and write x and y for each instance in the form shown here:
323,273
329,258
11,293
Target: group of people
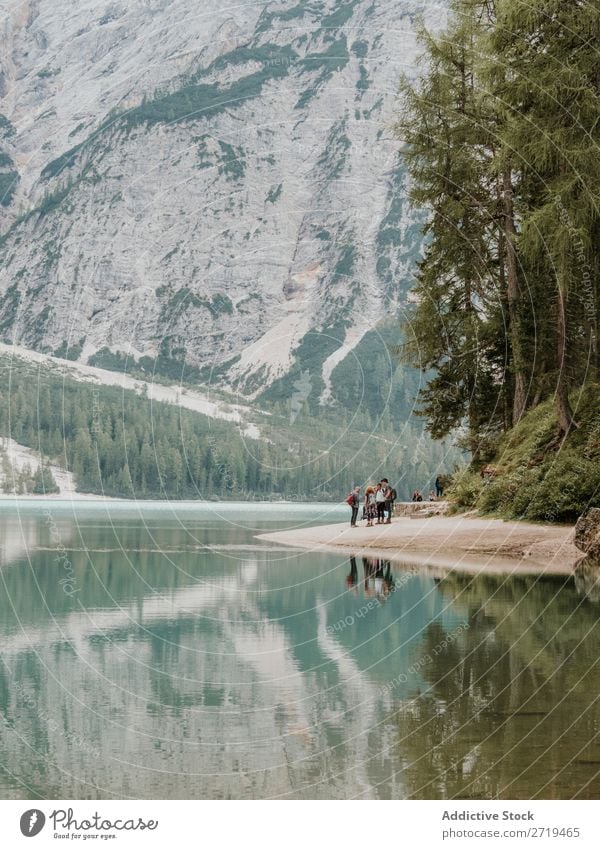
377,580
434,494
416,496
378,503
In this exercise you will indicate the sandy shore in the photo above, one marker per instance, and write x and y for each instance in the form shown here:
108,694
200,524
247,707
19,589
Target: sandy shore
460,542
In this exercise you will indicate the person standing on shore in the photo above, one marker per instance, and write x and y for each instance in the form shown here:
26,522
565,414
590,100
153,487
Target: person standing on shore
370,506
380,501
439,489
354,502
388,500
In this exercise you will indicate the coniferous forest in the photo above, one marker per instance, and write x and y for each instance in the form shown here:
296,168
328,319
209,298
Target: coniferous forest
120,443
500,134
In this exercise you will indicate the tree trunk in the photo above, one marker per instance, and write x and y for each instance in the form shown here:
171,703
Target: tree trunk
507,390
594,308
564,412
513,294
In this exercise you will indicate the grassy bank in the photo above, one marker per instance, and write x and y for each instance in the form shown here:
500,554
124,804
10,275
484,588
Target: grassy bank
533,479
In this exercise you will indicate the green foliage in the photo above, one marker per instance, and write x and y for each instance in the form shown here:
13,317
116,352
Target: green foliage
8,186
52,200
6,128
340,16
309,357
62,162
232,165
333,158
364,82
264,54
464,490
370,378
394,235
39,324
447,155
44,482
205,100
70,351
274,193
534,481
183,299
77,129
267,16
500,136
333,59
192,102
360,49
9,306
344,266
120,443
105,358
164,366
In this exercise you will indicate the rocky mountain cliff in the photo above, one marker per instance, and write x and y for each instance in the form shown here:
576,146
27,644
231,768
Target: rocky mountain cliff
207,184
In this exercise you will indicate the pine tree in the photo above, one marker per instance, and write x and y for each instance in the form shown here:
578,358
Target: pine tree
548,55
44,482
501,135
447,146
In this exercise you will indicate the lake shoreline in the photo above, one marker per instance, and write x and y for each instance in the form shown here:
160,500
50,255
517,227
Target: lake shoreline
468,543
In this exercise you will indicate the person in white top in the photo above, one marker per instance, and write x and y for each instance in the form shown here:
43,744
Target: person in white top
380,501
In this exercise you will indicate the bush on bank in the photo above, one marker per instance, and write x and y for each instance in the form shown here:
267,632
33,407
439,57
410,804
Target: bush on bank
531,478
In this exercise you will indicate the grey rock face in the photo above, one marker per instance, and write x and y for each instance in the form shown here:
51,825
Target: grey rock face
206,184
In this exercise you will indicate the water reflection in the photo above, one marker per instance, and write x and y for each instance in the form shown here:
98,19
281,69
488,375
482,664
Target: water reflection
191,662
510,709
587,578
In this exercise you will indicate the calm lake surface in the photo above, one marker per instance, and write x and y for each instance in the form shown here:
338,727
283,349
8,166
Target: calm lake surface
167,653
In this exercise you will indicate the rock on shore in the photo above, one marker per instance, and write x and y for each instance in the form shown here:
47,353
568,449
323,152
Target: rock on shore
587,533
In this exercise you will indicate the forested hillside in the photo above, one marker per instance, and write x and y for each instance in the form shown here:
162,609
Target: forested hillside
120,443
500,133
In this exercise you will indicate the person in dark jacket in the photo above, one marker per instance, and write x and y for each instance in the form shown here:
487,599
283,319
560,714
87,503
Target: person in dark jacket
354,504
388,503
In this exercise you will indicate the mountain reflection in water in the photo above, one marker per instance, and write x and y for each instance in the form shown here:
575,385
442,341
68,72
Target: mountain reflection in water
185,660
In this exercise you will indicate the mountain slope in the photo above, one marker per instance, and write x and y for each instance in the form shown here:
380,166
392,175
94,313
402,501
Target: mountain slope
219,188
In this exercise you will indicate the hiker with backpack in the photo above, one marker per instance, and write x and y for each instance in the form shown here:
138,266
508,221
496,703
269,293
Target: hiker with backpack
353,501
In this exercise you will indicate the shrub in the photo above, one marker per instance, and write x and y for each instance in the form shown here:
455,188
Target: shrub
465,489
537,480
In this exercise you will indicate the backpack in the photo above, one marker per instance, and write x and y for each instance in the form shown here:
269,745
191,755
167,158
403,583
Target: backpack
350,500
393,494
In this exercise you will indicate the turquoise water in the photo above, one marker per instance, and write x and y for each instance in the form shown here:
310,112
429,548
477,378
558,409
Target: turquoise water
165,652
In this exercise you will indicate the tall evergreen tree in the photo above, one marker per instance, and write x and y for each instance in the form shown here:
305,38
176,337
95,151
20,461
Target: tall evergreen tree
548,53
448,143
501,136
